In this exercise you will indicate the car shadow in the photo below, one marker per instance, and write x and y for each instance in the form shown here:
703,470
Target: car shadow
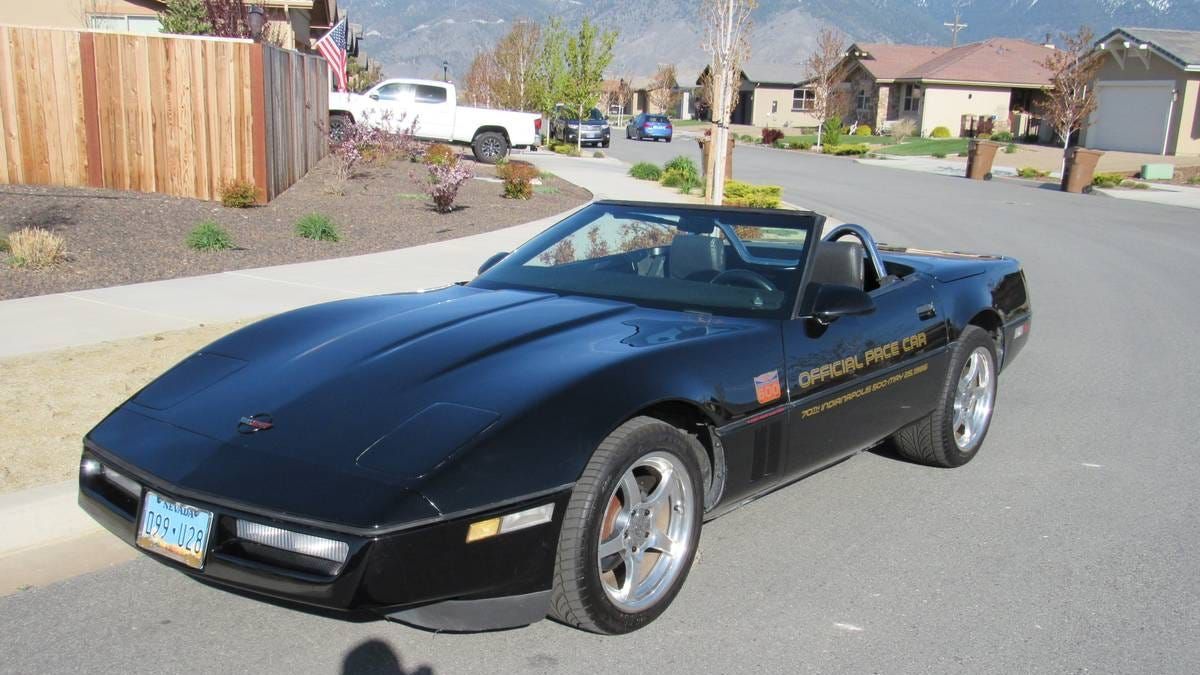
377,656
350,617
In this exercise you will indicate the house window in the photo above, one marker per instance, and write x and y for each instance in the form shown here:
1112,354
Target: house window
862,102
774,107
126,23
912,98
802,99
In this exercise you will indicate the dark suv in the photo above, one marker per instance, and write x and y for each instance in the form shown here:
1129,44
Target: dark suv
565,126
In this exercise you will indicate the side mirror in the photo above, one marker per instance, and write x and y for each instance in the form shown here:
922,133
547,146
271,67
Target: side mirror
374,97
834,301
487,264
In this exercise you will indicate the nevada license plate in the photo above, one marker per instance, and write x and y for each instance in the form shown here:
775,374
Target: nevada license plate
174,529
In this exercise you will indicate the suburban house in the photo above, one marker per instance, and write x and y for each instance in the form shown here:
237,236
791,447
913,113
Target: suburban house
772,95
1147,92
292,24
998,80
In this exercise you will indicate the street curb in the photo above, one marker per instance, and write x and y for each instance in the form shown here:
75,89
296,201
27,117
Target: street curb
41,516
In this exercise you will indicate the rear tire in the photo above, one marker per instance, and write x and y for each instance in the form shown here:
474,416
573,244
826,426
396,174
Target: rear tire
490,147
951,435
640,497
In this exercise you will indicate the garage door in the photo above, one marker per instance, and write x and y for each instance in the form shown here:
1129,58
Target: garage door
1130,116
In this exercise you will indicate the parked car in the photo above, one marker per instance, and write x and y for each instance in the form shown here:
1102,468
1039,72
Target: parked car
565,126
645,126
396,103
550,436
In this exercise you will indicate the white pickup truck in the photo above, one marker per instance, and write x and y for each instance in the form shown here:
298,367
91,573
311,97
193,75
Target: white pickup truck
490,133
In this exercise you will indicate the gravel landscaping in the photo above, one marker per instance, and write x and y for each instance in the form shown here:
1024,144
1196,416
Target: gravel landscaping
115,237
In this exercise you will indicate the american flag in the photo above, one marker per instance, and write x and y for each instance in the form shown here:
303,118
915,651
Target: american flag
333,48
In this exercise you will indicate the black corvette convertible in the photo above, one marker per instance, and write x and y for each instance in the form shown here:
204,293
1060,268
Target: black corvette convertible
549,437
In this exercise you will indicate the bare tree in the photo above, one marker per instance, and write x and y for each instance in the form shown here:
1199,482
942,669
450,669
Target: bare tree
727,23
664,89
825,69
516,60
1071,97
477,84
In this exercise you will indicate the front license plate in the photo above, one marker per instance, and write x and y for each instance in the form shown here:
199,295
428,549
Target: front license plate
174,529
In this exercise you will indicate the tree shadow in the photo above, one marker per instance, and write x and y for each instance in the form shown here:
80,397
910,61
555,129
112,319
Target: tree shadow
377,656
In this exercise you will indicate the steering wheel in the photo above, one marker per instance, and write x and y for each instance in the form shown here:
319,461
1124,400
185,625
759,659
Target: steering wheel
859,232
744,279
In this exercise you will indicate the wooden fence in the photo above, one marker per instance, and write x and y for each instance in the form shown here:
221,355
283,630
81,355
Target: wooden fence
170,114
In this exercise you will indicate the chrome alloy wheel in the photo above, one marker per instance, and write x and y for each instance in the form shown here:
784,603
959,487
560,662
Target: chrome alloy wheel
492,148
645,534
974,398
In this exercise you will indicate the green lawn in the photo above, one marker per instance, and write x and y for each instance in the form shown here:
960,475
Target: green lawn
928,146
846,139
687,123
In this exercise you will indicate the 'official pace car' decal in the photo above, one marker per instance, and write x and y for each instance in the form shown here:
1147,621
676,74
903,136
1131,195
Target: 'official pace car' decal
766,387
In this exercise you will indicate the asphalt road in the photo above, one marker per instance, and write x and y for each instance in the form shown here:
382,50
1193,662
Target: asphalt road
1069,545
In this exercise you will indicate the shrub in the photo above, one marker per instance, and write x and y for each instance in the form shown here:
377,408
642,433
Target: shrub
1107,180
862,130
1194,180
746,138
983,137
858,149
1002,137
353,142
439,154
938,154
779,144
238,194
1136,185
209,236
903,129
1030,172
738,193
832,131
1010,148
598,154
518,179
318,227
683,165
769,136
35,247
799,145
645,171
444,182
939,132
4,247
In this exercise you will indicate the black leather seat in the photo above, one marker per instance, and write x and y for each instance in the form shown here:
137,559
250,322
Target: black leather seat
838,262
695,257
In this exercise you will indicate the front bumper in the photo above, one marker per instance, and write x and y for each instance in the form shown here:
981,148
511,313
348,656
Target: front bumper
597,137
428,575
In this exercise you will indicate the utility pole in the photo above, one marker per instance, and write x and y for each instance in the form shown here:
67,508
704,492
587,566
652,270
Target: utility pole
954,28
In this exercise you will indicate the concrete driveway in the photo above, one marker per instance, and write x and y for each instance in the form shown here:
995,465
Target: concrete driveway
1068,545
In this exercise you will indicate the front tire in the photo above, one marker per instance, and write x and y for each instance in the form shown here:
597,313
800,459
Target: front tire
490,147
951,435
630,531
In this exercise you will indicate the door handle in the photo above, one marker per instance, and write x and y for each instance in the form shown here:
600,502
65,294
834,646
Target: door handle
926,312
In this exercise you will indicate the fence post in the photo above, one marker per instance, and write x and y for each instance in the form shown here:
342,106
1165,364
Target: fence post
258,111
91,110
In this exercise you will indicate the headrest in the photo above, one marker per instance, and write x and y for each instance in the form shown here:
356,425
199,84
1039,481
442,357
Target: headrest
838,262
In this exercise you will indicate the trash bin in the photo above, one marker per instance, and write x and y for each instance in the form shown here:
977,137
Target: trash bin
704,145
980,155
1080,169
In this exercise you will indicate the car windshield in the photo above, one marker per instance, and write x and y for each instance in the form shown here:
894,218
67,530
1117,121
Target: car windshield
657,118
739,262
595,116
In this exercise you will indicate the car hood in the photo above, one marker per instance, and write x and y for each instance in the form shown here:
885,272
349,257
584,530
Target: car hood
382,390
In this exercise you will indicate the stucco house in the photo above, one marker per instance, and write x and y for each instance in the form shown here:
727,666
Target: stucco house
772,95
937,86
292,24
1147,92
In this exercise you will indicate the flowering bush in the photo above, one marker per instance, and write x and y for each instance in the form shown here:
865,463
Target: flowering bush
353,142
439,154
444,182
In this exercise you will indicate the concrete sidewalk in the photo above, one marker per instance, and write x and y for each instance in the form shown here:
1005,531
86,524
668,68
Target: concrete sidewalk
1159,193
949,166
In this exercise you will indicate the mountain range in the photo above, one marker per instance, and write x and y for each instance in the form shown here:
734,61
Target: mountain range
415,38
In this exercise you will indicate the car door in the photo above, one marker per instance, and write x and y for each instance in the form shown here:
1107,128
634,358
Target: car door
434,111
389,105
858,379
